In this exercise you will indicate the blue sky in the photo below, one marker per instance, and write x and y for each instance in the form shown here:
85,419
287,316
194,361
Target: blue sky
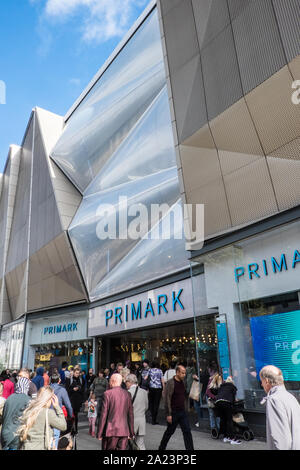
50,50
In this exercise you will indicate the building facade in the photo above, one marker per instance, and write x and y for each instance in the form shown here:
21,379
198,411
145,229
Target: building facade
193,107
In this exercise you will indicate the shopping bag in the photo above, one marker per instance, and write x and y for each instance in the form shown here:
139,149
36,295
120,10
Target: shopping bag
195,390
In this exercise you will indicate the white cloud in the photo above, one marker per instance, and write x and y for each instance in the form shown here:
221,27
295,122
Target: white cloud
100,19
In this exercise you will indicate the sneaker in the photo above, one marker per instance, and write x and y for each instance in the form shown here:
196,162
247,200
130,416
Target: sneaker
197,425
226,439
235,441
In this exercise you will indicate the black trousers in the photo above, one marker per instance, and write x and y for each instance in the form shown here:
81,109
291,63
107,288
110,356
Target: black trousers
181,418
224,410
154,401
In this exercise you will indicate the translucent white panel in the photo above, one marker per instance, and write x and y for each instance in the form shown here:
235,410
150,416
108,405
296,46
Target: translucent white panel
113,106
98,256
149,259
148,149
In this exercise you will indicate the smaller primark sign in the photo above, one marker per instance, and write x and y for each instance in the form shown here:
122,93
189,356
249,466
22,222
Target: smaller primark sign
66,328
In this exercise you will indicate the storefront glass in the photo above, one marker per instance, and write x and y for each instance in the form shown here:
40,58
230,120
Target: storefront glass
53,355
255,285
11,342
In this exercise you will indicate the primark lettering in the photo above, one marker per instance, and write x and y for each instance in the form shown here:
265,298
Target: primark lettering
67,328
137,311
256,271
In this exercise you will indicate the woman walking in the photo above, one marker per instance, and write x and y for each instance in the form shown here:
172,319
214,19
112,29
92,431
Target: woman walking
38,421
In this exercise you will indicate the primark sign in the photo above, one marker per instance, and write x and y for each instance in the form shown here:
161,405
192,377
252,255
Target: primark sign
169,303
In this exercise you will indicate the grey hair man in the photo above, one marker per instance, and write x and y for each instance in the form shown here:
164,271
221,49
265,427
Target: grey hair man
282,409
140,404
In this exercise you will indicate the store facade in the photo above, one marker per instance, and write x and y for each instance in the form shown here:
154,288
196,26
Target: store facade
53,339
157,323
255,285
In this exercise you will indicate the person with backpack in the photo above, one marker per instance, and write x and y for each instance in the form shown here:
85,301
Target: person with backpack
98,387
75,389
140,407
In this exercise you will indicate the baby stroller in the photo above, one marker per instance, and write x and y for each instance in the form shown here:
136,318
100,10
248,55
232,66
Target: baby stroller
240,425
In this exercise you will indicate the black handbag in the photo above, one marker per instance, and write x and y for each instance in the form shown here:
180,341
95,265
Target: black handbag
133,445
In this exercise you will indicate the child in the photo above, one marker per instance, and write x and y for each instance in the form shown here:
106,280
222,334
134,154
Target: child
92,413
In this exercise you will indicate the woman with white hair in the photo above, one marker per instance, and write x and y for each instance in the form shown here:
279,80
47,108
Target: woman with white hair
140,404
38,421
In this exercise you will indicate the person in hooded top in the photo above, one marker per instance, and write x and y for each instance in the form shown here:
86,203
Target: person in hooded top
8,386
12,411
38,380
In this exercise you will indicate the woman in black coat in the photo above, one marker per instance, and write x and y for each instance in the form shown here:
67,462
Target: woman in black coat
75,387
224,407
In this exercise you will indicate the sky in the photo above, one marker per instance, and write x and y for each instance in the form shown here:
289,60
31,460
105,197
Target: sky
49,51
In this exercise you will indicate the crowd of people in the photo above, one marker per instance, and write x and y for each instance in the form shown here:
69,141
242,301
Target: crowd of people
39,411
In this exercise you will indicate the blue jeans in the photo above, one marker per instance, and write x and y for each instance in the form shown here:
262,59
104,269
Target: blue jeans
56,434
198,410
213,420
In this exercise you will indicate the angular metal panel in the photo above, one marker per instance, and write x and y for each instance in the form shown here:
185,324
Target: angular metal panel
211,17
45,220
180,35
275,116
250,193
288,17
53,278
16,285
258,44
284,166
221,74
19,240
189,98
113,106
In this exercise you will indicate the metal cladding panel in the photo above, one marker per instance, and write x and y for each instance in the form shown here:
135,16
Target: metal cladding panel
275,117
236,7
113,106
288,17
53,278
284,166
167,5
258,44
16,285
180,35
189,98
211,17
19,239
45,220
222,82
250,193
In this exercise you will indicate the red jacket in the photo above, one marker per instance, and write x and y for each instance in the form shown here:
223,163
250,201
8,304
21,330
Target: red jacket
8,388
116,418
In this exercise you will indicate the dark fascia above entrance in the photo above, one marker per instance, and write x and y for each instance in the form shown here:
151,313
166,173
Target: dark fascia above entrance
269,223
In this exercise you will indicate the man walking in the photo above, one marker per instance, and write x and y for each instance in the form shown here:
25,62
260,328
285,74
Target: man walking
63,400
116,421
282,410
140,406
175,408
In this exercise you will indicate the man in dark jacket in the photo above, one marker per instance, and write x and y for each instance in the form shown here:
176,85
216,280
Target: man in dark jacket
12,411
175,399
116,421
98,387
38,380
75,389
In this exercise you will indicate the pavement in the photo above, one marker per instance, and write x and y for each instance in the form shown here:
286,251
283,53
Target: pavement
202,440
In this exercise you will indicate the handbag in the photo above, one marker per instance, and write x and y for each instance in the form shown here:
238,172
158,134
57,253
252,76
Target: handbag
195,390
133,445
50,441
210,403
